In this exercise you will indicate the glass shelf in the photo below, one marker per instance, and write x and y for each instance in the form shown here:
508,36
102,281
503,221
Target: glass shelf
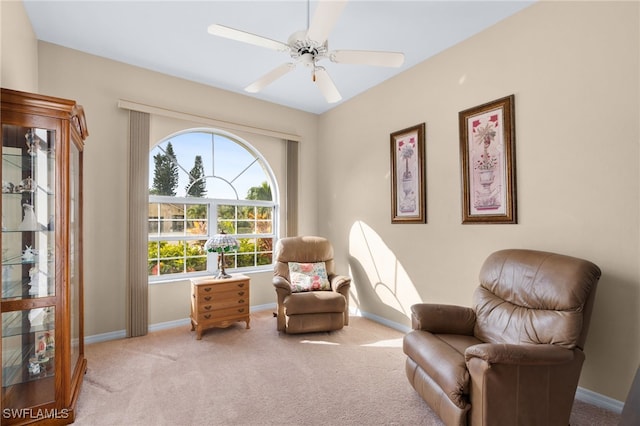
28,345
27,289
43,228
18,260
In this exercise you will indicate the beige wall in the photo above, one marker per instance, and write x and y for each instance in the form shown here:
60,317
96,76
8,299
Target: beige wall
18,48
98,84
573,67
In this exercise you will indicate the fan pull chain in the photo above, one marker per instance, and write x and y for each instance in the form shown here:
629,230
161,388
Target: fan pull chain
313,73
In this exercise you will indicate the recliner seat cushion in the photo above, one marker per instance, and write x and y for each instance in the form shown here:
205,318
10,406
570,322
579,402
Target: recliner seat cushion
441,356
314,302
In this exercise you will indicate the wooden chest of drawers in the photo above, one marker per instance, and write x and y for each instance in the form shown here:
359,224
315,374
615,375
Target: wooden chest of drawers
219,302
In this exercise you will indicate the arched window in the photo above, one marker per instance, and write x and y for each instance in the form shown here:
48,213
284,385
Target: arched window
203,182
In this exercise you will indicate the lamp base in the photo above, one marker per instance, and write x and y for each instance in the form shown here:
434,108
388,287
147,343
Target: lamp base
222,275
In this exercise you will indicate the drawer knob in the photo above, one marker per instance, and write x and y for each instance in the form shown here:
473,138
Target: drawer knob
241,310
207,316
241,301
207,289
207,298
208,307
241,293
241,285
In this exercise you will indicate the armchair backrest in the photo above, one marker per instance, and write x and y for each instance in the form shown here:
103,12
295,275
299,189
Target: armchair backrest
306,249
528,296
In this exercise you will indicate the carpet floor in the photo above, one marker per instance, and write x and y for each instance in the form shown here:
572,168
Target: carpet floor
234,376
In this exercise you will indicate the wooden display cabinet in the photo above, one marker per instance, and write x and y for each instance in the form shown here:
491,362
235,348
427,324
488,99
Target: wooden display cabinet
42,342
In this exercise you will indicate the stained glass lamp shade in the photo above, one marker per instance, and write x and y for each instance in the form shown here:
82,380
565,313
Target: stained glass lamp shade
221,243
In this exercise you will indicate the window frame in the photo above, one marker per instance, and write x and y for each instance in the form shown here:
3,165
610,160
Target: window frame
212,219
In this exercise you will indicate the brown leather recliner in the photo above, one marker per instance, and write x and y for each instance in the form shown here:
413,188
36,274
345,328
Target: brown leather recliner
309,311
515,357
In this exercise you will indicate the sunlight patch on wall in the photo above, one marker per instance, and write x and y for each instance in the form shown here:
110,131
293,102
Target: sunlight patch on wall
380,276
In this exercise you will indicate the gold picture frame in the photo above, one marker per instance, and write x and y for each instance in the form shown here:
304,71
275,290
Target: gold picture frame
487,152
408,178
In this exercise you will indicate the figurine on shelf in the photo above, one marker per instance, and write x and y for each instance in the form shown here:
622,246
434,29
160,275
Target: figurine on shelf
49,317
36,317
32,142
33,282
25,185
29,254
34,366
7,187
29,221
41,348
50,344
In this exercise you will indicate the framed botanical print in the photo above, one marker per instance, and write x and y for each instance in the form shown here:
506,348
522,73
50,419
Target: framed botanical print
487,152
408,179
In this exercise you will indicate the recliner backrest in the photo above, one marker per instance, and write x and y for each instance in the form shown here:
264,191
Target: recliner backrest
528,296
305,249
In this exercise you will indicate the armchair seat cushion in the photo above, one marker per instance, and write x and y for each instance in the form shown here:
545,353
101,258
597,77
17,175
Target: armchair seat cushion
314,302
442,358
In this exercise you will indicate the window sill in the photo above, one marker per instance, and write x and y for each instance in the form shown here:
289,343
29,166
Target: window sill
176,278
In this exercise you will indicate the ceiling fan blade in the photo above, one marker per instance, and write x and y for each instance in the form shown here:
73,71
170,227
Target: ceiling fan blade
324,19
245,37
269,78
367,57
326,86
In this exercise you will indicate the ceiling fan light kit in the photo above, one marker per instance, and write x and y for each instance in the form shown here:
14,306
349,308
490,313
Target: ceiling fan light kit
308,47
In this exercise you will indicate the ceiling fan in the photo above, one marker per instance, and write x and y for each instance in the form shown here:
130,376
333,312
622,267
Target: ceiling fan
308,47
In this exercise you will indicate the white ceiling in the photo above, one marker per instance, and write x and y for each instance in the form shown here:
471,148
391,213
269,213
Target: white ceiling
171,37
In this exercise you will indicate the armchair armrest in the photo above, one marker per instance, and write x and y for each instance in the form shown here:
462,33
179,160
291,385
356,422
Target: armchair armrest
436,318
280,283
339,281
502,353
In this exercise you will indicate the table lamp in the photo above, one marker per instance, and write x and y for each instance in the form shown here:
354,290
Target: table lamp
221,243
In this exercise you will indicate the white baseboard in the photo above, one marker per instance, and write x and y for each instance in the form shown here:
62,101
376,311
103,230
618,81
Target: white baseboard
112,335
170,324
599,400
391,324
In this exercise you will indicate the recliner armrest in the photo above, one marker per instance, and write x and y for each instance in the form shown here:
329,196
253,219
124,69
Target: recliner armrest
338,281
449,319
525,354
281,283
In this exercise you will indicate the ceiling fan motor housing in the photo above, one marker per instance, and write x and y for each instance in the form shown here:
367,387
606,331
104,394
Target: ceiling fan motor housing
305,50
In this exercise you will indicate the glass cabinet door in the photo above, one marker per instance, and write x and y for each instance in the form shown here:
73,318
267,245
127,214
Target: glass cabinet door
28,265
75,254
28,207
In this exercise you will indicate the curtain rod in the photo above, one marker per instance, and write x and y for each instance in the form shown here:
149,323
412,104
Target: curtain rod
134,106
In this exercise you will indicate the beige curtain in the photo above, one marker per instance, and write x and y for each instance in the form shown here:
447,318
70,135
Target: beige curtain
137,277
291,201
